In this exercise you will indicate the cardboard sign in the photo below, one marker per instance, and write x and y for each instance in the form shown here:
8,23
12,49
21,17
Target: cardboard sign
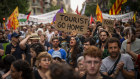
72,22
109,24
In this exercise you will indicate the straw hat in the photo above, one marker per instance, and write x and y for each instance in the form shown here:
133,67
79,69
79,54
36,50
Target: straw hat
34,36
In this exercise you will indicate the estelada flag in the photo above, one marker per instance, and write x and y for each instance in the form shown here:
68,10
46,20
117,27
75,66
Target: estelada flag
99,14
12,20
116,8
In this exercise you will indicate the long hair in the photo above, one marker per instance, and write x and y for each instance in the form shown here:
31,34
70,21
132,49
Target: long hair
76,51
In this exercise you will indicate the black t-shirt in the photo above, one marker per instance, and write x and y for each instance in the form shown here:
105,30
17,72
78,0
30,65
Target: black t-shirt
36,74
18,51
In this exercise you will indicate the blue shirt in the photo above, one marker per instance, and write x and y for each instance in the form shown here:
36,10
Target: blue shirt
62,51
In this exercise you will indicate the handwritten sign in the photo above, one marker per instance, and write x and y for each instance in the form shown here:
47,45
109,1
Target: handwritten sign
109,23
72,22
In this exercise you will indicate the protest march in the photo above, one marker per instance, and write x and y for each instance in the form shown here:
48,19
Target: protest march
66,44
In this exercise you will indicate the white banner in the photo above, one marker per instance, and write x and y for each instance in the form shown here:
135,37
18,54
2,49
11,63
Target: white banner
123,17
37,19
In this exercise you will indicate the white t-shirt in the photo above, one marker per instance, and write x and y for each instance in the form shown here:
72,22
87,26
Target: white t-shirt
49,35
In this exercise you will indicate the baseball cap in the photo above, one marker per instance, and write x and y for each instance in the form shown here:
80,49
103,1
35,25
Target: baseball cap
56,54
15,35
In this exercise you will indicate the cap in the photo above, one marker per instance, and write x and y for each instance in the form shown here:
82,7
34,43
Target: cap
15,35
56,54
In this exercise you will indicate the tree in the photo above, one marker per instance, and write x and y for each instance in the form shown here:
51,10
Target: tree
90,9
8,6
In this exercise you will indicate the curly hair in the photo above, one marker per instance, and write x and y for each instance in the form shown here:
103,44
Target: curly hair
37,47
24,67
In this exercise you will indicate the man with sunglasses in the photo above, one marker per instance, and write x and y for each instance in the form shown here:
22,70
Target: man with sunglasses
56,50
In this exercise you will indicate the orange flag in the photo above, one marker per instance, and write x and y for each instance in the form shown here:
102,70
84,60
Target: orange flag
12,20
99,14
116,8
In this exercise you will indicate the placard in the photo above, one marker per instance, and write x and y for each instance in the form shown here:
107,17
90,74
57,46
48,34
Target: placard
109,23
72,22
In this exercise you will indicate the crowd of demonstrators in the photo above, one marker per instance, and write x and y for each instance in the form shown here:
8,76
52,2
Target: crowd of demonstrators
47,53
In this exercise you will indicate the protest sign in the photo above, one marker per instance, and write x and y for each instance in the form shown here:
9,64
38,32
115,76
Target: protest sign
72,22
123,17
109,24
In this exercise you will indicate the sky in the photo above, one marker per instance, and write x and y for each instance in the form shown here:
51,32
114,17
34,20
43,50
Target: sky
74,4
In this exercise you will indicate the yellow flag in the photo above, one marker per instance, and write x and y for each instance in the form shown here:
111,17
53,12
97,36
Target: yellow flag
4,25
116,8
134,17
64,11
99,14
13,19
124,1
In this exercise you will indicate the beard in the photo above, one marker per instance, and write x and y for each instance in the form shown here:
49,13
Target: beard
114,54
55,46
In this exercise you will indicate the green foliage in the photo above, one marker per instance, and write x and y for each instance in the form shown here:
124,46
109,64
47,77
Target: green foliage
52,8
90,9
8,6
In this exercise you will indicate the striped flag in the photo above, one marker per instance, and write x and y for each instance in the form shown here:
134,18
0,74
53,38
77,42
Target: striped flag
12,20
4,25
116,8
99,14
